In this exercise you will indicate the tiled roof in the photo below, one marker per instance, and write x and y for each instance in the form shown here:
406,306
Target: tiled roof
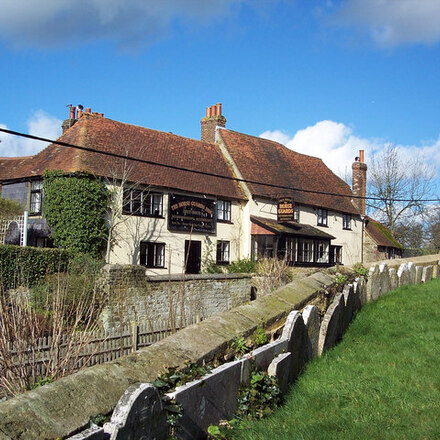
107,135
290,228
270,162
381,234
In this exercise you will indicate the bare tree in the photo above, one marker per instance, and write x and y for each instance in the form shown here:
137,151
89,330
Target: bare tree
398,186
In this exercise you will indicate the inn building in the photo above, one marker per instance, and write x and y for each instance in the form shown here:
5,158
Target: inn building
249,197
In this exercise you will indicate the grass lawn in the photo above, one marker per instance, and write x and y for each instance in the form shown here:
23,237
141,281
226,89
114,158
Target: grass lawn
381,382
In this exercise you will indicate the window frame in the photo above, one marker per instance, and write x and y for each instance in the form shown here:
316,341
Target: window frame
224,209
223,252
36,197
157,259
142,203
322,217
346,222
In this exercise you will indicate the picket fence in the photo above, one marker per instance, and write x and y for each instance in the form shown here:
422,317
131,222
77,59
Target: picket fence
97,348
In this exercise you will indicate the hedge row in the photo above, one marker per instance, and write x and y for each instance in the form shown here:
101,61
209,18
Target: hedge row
26,266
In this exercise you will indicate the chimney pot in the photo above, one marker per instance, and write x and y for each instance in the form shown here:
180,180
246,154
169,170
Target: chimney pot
88,110
361,156
79,113
72,113
212,120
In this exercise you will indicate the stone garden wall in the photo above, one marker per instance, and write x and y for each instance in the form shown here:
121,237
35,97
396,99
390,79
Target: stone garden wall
179,297
63,407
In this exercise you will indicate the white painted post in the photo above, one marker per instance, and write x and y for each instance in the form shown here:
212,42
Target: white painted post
25,227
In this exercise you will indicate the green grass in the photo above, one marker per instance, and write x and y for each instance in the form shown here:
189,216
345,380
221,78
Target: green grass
381,382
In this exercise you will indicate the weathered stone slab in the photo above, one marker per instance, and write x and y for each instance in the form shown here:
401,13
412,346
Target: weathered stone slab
419,273
385,281
373,284
312,321
331,329
394,279
246,369
403,274
263,356
93,433
427,274
349,303
280,368
436,270
360,292
208,400
412,273
298,343
139,415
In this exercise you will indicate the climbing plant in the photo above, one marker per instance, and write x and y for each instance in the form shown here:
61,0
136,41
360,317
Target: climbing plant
74,206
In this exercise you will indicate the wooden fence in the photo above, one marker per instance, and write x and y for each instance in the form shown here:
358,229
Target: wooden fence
92,349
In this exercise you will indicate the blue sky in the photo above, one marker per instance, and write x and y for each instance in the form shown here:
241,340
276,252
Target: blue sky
326,78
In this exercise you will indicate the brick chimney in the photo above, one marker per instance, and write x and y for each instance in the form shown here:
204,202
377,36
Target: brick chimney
67,123
213,119
359,183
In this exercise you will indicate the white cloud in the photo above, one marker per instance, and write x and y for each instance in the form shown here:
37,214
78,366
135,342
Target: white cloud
55,23
393,22
337,146
39,124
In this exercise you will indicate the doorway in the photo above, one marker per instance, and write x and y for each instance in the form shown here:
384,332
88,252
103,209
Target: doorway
193,256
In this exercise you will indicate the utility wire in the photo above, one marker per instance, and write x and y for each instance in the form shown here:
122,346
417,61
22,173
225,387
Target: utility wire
189,170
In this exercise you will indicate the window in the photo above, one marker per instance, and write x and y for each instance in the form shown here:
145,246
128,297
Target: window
36,197
223,210
144,203
305,251
322,217
223,252
346,221
321,253
152,254
296,213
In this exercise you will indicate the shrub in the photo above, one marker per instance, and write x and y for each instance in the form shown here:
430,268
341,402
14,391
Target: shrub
75,207
244,265
27,266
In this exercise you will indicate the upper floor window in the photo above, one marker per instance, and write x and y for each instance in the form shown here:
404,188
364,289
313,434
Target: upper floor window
346,221
145,203
36,197
152,254
223,252
224,210
322,217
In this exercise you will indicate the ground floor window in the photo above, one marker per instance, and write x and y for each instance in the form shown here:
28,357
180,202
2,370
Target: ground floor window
152,254
305,251
263,246
321,252
223,252
336,254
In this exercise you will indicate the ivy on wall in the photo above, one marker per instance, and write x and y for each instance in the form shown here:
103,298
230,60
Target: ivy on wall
74,206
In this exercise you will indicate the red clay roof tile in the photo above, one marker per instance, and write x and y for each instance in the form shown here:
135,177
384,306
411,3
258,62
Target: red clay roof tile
107,135
270,162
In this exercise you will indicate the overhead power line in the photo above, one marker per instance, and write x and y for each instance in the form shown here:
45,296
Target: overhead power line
189,170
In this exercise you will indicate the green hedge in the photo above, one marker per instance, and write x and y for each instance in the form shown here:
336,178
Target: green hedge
26,266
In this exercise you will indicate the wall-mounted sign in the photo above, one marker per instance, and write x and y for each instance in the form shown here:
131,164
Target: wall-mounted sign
194,214
285,209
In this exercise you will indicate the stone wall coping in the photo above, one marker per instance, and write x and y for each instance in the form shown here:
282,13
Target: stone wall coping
201,276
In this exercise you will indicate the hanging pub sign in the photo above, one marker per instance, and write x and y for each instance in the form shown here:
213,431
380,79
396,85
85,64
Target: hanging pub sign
285,210
194,214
